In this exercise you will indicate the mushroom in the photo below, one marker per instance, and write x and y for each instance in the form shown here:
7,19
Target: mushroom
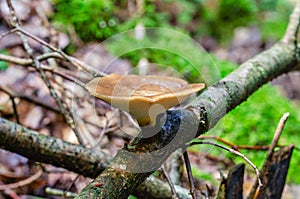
144,97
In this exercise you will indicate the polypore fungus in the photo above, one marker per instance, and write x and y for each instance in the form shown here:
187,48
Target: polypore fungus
142,96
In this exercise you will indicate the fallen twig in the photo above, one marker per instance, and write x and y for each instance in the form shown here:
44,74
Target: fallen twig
173,190
64,109
234,152
22,182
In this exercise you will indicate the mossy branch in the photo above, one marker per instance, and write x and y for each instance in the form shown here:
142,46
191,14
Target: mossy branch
50,150
118,180
135,163
81,160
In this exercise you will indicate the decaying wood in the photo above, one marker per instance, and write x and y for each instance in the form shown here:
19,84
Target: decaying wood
81,160
274,178
269,159
118,180
132,165
232,186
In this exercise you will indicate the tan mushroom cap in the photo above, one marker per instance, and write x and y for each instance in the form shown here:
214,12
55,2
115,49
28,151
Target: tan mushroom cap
142,96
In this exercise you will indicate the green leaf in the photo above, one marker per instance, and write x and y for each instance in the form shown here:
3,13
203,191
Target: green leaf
3,64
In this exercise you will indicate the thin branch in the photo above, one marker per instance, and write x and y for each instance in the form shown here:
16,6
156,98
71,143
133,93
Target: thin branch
270,154
15,60
190,175
7,33
66,112
74,61
22,182
66,74
277,134
70,186
234,152
26,62
232,145
58,192
173,190
27,98
292,30
16,115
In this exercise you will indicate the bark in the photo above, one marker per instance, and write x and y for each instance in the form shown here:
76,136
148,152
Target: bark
274,174
135,163
154,188
132,165
81,160
118,180
50,150
232,186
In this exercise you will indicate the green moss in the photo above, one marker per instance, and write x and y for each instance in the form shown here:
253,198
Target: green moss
254,123
226,17
91,19
201,175
162,47
273,18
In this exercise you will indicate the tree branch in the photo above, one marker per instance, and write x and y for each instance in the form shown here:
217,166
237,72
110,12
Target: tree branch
81,160
50,150
268,160
134,164
63,107
292,30
145,154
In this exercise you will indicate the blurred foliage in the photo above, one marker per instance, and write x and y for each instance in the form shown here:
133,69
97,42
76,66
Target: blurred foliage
229,15
93,19
3,64
185,57
273,18
254,123
201,175
220,20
